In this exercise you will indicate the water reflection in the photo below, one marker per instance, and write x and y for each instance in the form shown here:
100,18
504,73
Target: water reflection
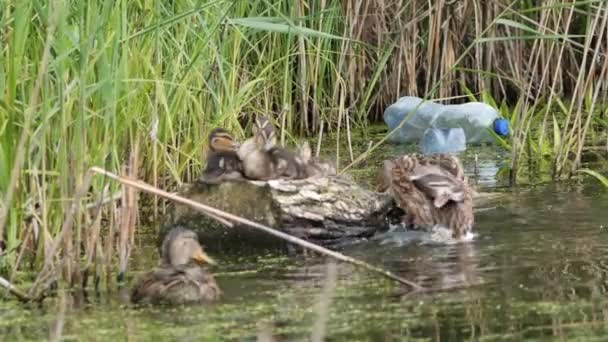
536,270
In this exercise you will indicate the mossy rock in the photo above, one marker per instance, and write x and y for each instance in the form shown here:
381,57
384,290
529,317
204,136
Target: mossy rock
326,210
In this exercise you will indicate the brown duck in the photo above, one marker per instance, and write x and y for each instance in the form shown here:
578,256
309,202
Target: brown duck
223,163
263,160
181,278
432,190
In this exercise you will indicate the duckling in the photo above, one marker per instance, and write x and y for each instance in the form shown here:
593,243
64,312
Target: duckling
314,167
431,190
263,160
180,278
223,163
256,161
287,164
262,126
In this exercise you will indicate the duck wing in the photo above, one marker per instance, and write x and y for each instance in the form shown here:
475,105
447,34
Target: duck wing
439,177
440,189
175,285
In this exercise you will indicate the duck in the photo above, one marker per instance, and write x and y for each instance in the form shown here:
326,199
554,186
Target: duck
432,190
263,159
315,167
223,163
181,278
257,163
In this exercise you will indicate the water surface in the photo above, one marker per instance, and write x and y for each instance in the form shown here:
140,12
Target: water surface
536,270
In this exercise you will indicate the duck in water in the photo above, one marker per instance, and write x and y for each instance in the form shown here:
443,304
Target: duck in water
181,277
432,190
223,163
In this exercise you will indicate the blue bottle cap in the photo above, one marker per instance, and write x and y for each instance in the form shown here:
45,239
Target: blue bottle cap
501,127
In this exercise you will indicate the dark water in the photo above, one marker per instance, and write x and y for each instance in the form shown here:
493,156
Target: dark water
537,270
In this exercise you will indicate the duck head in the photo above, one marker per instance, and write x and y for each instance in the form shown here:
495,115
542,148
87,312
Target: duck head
181,247
264,130
221,141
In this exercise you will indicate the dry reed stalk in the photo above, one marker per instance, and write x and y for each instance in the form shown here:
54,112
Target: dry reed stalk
302,66
316,119
554,78
322,313
340,113
57,331
283,116
583,81
348,138
29,112
17,264
524,121
92,242
128,213
320,139
47,272
598,87
142,186
432,91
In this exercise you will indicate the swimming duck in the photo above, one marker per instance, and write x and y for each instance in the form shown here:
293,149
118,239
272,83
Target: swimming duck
181,278
432,190
223,163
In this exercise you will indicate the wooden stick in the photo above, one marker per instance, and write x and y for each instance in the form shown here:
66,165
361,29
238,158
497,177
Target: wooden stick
14,290
214,213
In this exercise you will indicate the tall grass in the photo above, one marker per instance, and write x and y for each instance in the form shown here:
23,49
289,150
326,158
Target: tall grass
135,86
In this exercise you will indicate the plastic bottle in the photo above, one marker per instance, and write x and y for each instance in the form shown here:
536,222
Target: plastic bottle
475,118
443,140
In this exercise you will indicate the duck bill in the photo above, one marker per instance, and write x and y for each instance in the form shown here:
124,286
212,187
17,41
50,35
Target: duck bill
202,258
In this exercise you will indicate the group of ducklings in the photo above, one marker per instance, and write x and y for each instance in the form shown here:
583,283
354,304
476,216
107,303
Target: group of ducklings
259,157
432,190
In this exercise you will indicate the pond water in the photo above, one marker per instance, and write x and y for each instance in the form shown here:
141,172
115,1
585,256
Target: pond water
537,269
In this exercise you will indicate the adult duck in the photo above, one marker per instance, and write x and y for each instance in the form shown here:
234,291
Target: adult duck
181,277
432,190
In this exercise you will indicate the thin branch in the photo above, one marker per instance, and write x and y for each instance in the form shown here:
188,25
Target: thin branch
214,213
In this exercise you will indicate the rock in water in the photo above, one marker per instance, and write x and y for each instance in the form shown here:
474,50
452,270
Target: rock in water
325,210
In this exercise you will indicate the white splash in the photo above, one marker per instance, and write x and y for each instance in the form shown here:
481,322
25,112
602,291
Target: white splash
400,236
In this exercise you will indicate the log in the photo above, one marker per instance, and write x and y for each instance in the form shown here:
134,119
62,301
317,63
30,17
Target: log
324,210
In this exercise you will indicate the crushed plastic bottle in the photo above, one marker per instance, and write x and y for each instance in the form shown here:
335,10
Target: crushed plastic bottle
475,118
443,140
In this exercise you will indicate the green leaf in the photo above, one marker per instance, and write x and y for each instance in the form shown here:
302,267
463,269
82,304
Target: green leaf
531,37
597,176
517,25
270,24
